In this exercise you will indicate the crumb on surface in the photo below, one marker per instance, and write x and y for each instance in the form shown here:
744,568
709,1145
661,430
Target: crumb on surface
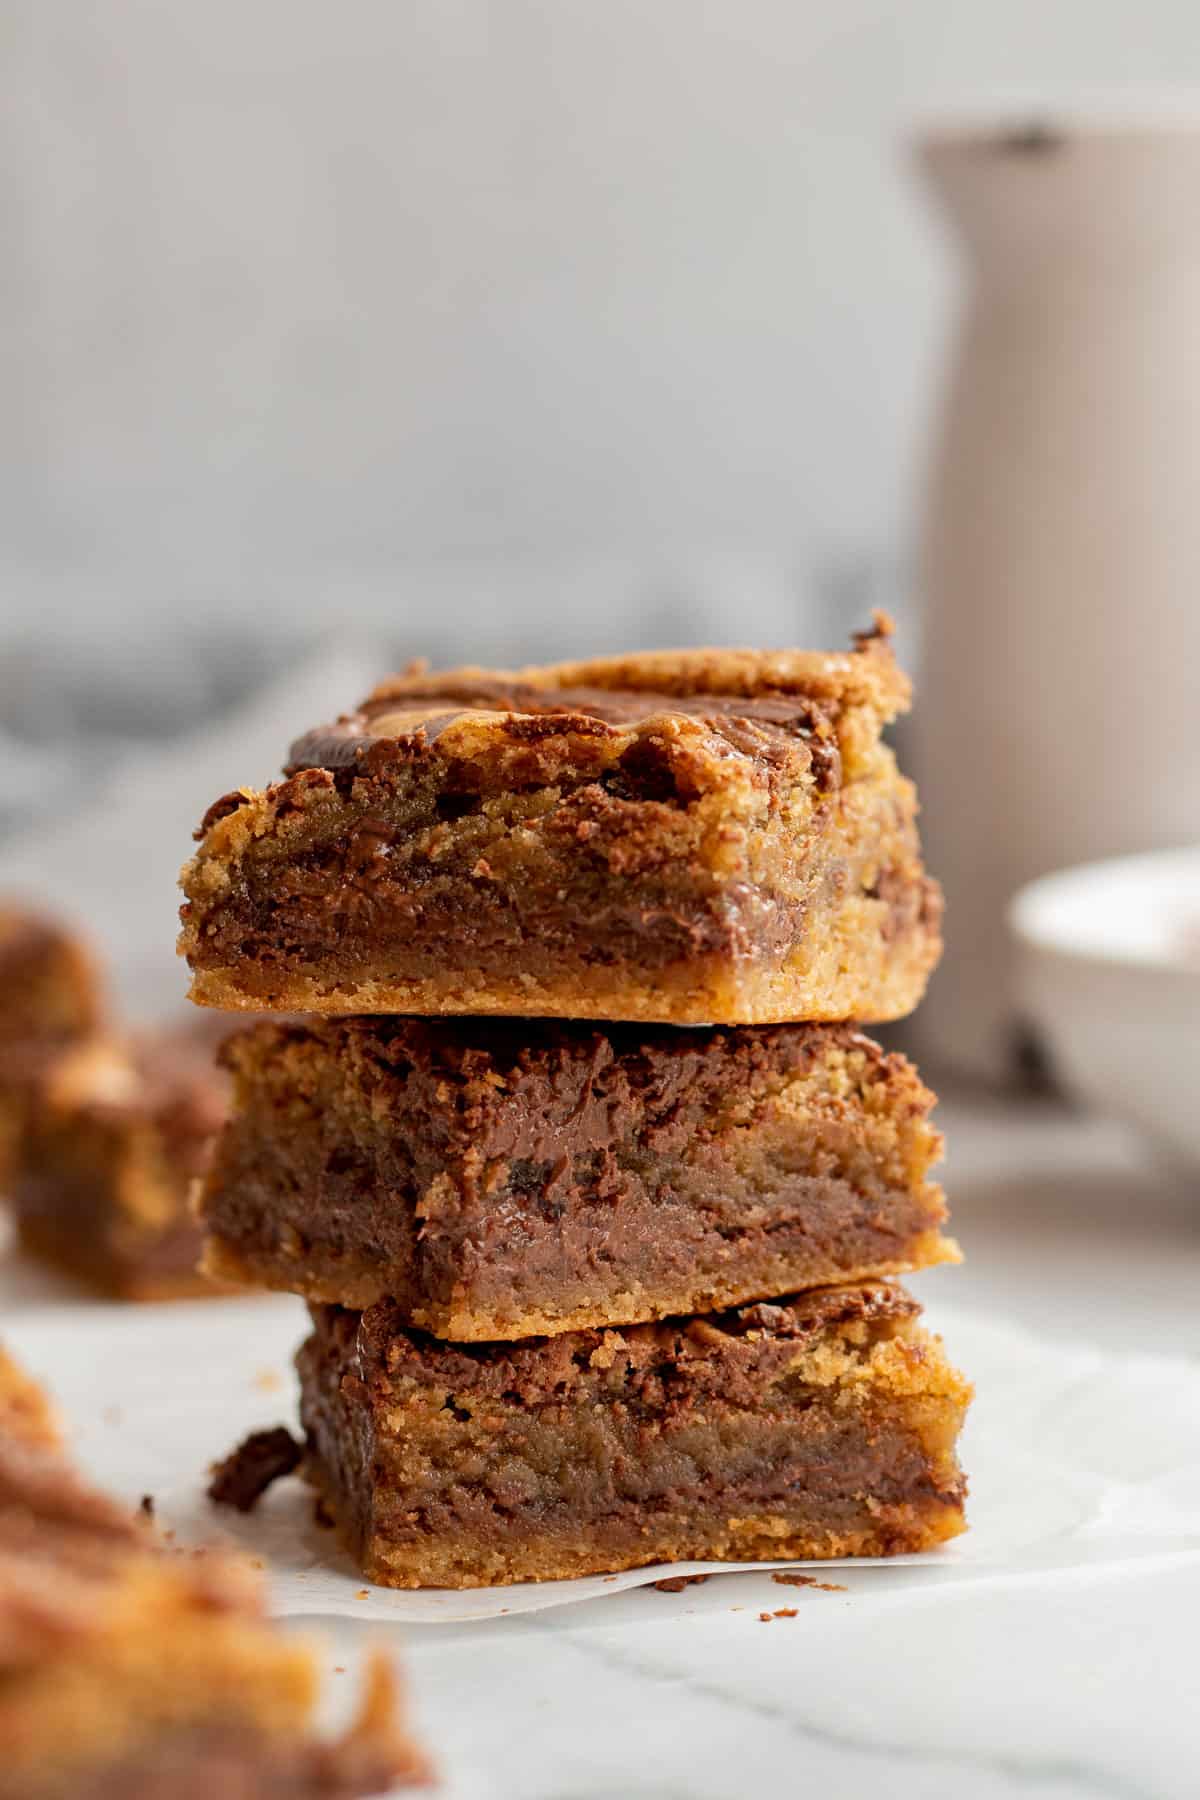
675,1584
784,1612
243,1477
363,1594
268,1381
146,1506
786,1578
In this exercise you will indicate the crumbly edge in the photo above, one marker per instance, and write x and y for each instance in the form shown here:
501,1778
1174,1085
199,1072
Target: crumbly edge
891,1357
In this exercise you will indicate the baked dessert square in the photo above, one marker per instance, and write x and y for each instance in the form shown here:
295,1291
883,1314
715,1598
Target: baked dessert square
131,1672
50,990
499,1179
820,1426
688,837
116,1136
50,996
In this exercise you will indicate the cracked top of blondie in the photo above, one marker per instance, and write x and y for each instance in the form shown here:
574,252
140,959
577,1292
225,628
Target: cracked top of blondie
732,703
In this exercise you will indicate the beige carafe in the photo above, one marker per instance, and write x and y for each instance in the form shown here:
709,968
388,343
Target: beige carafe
1059,715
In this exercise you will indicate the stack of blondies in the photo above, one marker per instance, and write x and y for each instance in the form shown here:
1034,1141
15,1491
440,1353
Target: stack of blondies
595,1190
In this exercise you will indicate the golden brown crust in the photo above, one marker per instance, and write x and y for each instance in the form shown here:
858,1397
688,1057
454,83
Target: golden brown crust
866,676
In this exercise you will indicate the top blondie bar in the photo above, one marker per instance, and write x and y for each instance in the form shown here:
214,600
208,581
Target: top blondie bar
693,836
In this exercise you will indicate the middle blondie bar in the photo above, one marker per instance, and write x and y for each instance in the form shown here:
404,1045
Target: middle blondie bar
499,1179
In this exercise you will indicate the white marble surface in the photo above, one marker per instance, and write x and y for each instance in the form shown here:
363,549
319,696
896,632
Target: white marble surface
1068,1687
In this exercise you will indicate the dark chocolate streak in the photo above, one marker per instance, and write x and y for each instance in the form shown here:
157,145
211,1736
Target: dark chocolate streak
535,712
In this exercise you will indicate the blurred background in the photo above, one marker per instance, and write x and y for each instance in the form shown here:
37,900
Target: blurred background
334,336
468,328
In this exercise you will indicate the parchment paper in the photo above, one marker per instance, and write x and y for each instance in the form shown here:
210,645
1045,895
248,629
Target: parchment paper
1078,1457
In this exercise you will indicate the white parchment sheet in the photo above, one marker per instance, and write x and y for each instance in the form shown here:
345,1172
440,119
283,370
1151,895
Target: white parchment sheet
1078,1457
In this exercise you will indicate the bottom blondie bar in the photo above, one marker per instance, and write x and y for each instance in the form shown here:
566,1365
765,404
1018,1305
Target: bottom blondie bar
820,1426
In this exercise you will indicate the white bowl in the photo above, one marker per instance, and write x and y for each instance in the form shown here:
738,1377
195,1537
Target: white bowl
1109,974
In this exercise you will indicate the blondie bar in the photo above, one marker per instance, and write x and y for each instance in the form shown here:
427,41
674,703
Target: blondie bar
49,985
50,996
821,1426
131,1672
708,836
502,1179
116,1136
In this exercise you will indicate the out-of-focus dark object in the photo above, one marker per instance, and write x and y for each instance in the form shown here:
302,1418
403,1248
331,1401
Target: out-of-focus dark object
1057,709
